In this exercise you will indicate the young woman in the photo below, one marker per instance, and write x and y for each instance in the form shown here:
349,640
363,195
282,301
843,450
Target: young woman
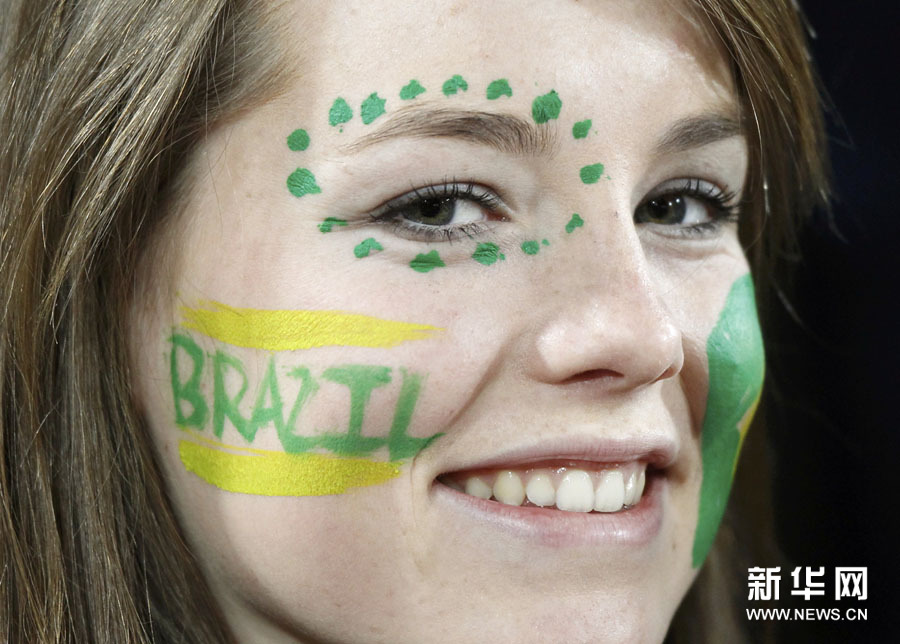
372,321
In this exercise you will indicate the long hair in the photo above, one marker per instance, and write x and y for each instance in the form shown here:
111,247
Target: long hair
101,101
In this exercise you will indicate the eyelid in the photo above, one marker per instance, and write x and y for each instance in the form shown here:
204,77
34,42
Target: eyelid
693,186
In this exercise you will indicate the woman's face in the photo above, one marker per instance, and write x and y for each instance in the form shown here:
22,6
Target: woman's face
474,250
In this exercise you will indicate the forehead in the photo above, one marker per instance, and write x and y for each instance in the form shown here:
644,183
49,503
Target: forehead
618,53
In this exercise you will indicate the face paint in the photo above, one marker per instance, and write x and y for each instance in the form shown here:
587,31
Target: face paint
365,247
285,330
487,254
455,84
298,140
340,112
372,108
545,108
426,262
736,370
331,222
591,173
545,242
498,88
296,471
530,247
411,90
302,182
581,129
575,222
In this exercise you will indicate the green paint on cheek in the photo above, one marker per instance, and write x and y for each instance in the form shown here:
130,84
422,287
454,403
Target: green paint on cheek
365,247
581,129
736,371
411,90
498,88
546,107
372,108
545,242
453,85
302,182
426,262
487,254
340,112
530,247
298,140
329,223
592,173
575,222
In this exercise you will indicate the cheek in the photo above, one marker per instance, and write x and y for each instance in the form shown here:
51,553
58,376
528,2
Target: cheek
736,370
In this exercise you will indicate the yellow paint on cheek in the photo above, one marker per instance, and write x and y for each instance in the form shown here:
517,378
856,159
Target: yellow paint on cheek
743,426
286,330
267,473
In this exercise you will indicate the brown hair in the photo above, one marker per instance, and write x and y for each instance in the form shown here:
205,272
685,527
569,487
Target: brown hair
100,102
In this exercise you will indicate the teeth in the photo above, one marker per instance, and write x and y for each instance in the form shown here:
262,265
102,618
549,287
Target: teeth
575,492
476,487
567,488
508,488
610,492
540,489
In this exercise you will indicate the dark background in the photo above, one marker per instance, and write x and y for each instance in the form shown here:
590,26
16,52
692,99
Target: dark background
834,412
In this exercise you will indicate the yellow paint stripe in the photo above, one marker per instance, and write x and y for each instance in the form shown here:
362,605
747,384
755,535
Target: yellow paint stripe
743,426
285,330
280,474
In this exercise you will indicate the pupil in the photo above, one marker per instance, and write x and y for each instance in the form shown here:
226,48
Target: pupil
437,212
668,210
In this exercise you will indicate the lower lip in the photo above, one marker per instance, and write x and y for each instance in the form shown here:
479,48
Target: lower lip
637,526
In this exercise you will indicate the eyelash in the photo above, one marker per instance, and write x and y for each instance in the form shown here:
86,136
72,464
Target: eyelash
721,202
391,213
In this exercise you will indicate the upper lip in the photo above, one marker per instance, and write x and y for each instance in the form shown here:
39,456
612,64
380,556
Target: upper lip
657,450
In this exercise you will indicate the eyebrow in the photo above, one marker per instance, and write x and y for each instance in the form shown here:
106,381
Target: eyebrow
503,132
697,131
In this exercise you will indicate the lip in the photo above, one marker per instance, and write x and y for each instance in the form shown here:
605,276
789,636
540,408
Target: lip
635,527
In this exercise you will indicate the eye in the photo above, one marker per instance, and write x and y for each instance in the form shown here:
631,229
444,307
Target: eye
441,212
691,205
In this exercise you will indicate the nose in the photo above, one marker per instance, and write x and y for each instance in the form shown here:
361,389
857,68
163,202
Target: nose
608,324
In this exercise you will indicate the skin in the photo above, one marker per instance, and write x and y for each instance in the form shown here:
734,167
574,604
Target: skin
601,334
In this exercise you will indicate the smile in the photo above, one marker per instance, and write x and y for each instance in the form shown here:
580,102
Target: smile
568,486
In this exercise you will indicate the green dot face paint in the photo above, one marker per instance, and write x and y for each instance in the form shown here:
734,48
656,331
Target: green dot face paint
575,222
340,112
411,90
531,247
581,129
426,262
365,247
454,84
302,182
545,108
488,254
298,140
329,223
736,370
372,108
591,173
498,88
